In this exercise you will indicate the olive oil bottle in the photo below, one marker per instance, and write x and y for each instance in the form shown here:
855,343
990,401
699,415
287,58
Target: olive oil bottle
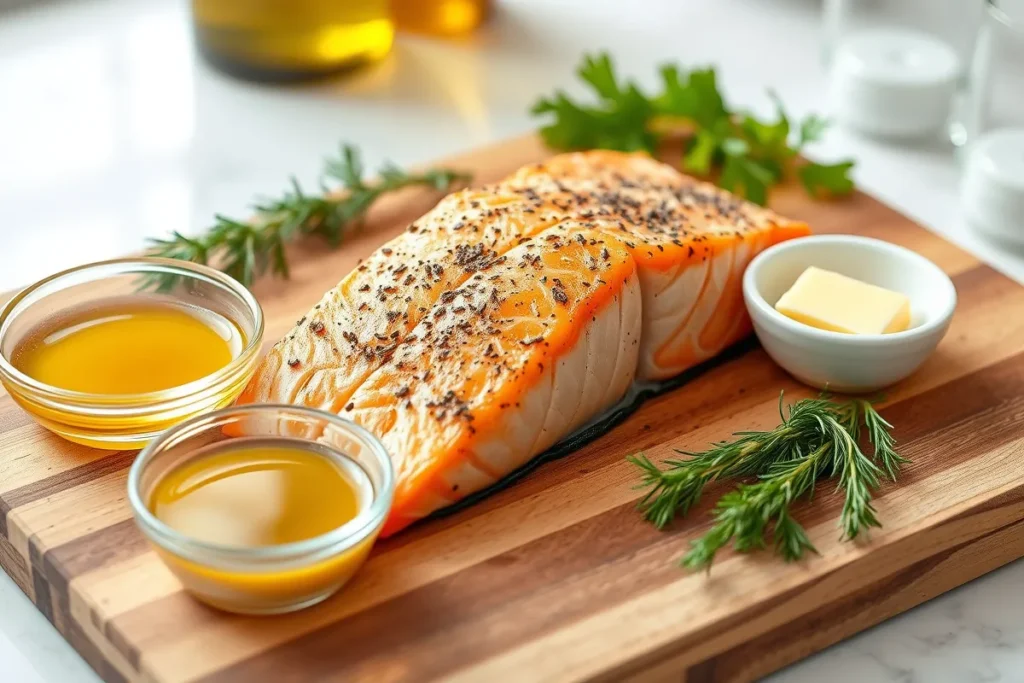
291,39
450,18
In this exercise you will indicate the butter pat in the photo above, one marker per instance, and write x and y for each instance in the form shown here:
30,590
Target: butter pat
830,301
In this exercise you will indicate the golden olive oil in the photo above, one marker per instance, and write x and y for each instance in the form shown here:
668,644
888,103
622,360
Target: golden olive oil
290,39
261,493
128,346
439,17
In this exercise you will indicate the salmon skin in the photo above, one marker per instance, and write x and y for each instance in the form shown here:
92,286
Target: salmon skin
512,314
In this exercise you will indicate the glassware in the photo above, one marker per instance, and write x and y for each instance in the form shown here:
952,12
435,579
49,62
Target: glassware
439,17
989,126
953,22
291,39
275,578
116,421
993,96
894,66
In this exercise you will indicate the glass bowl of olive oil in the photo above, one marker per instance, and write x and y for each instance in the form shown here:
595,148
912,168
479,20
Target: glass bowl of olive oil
112,353
262,508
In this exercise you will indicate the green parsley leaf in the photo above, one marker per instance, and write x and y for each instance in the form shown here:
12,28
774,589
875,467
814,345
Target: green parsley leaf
826,179
769,140
618,121
699,158
600,74
749,154
693,96
812,129
747,178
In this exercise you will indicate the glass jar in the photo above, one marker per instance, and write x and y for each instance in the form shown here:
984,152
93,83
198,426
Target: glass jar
988,126
895,66
953,22
993,94
439,17
279,40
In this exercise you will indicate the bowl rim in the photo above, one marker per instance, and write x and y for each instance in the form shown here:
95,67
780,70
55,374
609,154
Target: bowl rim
755,299
303,552
122,266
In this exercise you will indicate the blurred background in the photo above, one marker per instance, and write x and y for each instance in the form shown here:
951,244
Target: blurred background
121,119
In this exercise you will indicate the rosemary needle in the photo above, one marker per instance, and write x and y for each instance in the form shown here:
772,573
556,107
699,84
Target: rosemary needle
818,438
247,249
881,438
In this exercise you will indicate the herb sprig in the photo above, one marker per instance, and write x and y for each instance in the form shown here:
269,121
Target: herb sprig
819,438
247,249
747,154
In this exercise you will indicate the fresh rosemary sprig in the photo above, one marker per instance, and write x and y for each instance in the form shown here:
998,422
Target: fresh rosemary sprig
819,438
247,249
746,154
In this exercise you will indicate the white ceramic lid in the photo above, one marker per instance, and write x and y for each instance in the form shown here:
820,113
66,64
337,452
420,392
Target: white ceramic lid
893,82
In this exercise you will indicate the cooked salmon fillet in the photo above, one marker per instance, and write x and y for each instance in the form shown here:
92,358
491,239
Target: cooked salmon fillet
503,367
671,251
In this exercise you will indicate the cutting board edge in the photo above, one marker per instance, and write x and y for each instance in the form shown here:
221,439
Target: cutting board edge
655,665
772,650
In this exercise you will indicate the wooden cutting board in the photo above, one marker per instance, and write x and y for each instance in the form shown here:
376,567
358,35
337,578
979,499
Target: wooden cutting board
558,577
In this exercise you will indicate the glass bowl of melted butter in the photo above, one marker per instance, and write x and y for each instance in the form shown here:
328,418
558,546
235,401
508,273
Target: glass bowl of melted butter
111,354
262,508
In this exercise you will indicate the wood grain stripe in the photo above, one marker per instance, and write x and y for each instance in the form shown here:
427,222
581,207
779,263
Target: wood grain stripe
41,595
39,489
91,551
91,654
93,599
16,567
31,453
66,514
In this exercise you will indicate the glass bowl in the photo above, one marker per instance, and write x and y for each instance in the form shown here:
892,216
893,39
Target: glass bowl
128,421
275,578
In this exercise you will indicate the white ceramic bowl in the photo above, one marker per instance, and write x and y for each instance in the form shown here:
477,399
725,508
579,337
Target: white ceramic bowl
846,362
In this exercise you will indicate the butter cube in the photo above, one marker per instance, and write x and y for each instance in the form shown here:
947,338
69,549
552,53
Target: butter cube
830,301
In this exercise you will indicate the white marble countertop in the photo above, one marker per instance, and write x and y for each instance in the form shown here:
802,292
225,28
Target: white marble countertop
110,131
